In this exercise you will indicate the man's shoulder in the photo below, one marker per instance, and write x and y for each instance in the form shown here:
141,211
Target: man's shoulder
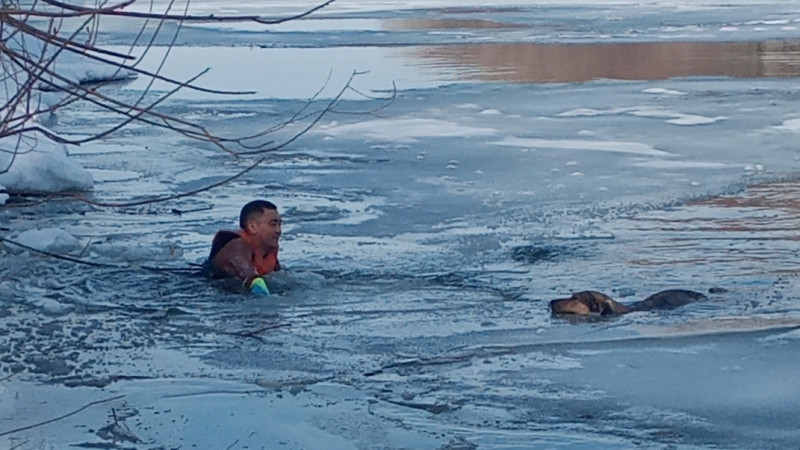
226,236
221,239
225,246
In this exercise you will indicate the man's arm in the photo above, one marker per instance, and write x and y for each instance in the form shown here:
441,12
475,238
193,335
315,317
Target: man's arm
236,259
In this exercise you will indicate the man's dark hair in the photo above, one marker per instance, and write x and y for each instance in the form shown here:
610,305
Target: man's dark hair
252,209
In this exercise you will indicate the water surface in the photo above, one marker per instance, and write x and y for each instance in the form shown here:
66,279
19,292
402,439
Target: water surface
528,153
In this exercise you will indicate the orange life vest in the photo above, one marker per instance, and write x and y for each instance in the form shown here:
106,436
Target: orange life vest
264,264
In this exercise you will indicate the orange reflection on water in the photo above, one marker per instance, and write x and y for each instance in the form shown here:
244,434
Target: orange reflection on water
756,231
526,63
779,195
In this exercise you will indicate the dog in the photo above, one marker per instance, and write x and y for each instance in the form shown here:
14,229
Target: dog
593,302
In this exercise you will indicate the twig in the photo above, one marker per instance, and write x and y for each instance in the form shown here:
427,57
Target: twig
115,11
85,247
328,108
56,419
56,255
19,445
232,445
179,212
165,198
192,268
31,70
260,330
253,333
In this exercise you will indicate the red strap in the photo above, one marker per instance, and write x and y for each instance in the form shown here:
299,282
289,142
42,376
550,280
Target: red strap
265,264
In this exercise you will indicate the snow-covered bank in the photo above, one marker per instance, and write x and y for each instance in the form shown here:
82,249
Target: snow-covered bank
38,164
30,161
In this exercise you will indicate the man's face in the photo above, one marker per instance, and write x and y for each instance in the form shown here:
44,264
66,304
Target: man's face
266,228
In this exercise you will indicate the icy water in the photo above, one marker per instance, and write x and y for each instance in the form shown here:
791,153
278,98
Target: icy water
531,151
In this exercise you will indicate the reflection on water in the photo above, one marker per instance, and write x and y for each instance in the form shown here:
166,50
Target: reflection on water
524,62
783,197
752,233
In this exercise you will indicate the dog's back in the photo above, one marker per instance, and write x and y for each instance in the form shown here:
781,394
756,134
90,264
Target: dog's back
669,299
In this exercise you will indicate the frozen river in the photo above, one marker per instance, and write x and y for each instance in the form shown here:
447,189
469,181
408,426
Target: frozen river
529,152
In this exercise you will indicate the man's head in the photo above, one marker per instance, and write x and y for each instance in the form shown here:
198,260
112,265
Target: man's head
260,219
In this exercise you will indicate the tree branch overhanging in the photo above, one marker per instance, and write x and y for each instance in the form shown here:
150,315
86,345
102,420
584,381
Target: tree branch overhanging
70,11
36,36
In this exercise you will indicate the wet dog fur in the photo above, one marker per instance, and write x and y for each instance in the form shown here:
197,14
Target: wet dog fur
592,302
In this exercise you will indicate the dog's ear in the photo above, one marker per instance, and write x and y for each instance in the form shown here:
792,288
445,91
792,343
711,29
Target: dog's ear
610,307
585,299
606,309
594,301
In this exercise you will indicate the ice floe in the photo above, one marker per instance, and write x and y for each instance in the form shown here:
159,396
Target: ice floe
402,130
632,148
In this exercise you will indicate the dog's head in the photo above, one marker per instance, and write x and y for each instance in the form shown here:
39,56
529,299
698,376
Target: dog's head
588,302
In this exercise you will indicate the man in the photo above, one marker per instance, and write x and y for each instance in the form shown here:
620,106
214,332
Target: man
251,252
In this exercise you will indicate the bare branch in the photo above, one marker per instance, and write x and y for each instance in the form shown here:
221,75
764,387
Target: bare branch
51,255
13,157
62,417
318,117
89,52
123,109
191,268
165,198
67,43
116,10
28,63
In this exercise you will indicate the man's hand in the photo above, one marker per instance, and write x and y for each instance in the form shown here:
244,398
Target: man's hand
258,286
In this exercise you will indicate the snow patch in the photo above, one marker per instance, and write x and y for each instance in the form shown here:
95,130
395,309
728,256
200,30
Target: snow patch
48,240
792,125
662,91
674,118
633,148
662,164
81,70
36,163
403,130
